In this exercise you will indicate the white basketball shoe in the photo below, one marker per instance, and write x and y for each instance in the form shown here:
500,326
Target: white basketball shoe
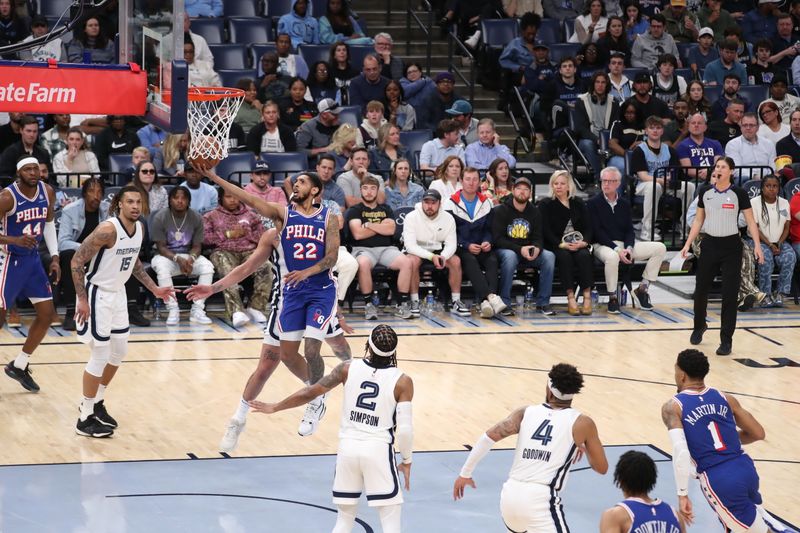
315,410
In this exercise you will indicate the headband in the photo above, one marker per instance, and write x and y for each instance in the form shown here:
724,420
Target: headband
377,351
27,161
557,393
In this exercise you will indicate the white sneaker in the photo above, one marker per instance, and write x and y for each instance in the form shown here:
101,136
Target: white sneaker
256,315
231,438
486,309
497,303
472,42
238,319
174,316
198,316
315,410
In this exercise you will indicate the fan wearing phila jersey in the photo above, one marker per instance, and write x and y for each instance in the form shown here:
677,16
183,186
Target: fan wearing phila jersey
708,427
376,415
636,475
552,437
101,311
309,247
26,216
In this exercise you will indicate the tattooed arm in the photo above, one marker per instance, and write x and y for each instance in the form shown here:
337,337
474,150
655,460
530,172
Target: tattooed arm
509,426
327,262
103,236
165,293
303,396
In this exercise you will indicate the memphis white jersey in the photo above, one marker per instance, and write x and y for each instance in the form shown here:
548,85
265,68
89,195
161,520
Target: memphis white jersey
112,267
545,447
368,410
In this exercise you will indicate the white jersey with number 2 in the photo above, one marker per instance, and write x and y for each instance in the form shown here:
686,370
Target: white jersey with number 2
545,447
369,405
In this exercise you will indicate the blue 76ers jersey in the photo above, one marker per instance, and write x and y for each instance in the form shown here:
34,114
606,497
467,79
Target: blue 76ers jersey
27,217
650,517
303,245
709,427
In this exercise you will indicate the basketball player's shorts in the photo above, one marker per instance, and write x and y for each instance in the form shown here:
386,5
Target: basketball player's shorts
108,316
366,466
731,489
23,276
272,336
531,507
307,312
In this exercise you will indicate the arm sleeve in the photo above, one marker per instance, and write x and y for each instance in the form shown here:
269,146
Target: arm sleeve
478,452
50,238
681,461
404,437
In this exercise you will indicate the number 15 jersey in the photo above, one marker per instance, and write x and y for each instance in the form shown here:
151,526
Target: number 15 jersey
112,267
545,447
369,405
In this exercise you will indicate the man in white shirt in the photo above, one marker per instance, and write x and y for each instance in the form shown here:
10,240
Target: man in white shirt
434,152
50,50
200,75
778,93
749,149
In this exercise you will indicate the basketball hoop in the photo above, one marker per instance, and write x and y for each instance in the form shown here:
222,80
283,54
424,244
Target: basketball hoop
210,114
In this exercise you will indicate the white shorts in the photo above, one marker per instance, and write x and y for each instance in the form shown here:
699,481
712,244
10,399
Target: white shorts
531,507
366,466
108,316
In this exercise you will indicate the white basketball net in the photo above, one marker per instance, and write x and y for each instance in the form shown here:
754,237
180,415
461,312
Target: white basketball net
211,111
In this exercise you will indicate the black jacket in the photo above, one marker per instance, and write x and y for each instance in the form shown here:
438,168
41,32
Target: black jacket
8,160
610,225
512,229
555,217
787,146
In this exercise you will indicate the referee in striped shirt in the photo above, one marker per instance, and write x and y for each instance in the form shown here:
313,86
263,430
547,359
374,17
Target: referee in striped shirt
718,209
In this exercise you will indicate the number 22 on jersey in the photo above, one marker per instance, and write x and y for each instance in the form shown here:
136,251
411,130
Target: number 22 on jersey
305,251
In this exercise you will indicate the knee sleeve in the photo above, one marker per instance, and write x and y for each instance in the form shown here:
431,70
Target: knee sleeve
98,359
390,518
345,518
119,349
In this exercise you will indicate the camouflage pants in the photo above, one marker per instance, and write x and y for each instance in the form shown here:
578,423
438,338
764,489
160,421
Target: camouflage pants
224,262
748,284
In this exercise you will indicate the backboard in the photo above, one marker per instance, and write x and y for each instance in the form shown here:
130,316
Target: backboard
151,35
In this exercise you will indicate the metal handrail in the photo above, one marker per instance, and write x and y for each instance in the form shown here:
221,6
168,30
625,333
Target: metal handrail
426,29
515,122
452,42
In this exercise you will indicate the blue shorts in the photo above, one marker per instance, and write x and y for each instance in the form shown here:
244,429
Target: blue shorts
22,276
307,312
731,489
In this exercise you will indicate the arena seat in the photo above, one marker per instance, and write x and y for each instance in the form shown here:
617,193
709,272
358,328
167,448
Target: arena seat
496,33
229,78
283,164
249,30
210,29
413,141
236,162
240,8
229,56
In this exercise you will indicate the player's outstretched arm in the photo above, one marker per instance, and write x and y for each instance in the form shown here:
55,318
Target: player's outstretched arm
750,430
259,256
165,293
584,433
337,376
103,236
327,262
268,209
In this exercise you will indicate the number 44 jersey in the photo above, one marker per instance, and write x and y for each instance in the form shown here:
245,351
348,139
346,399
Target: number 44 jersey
545,446
369,404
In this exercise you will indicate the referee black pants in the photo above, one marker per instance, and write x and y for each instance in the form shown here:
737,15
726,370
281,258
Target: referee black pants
719,254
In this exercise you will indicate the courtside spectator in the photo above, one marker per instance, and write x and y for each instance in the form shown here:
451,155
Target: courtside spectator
680,23
154,196
435,151
331,192
53,49
300,24
615,41
339,61
697,150
114,139
342,143
270,135
760,22
668,86
761,71
204,197
249,113
350,181
367,132
321,84
696,98
750,149
338,24
594,111
447,178
200,75
261,184
646,104
314,136
636,21
678,129
55,139
75,158
370,85
716,20
705,52
151,137
730,92
621,86
295,108
27,144
784,47
203,8
650,45
172,157
400,190
626,134
91,45
592,23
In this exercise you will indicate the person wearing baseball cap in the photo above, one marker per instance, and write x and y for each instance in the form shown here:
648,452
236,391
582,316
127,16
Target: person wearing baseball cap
261,184
681,24
646,104
518,238
705,52
314,136
461,112
434,106
53,49
429,234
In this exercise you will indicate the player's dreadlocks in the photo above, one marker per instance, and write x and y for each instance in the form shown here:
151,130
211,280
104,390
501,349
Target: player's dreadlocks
381,347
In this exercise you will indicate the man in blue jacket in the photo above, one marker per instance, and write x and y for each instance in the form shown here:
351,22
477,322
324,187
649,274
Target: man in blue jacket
300,24
614,240
473,214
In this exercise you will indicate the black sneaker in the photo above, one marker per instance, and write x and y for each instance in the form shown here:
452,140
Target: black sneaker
747,302
613,306
91,427
68,324
725,348
135,317
102,415
643,298
697,336
23,376
546,310
508,311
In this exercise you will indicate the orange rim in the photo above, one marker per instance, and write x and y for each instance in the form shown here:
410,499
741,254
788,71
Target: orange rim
209,94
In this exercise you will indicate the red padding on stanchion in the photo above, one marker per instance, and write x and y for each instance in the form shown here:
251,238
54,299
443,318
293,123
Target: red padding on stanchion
60,89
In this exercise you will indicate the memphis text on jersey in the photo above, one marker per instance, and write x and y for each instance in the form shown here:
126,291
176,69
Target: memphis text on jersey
705,409
364,418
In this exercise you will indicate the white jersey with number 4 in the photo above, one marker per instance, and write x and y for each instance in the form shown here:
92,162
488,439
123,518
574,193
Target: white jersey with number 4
369,404
112,267
545,447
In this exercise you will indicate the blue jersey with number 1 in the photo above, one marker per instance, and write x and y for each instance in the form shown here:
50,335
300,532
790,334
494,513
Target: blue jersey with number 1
709,427
27,217
303,246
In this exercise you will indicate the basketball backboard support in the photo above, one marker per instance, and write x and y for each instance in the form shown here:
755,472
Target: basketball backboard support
151,34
